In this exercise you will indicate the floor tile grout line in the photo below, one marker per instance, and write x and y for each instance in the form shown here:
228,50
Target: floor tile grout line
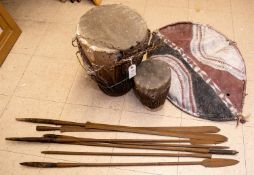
68,59
38,99
41,21
99,107
71,87
47,56
53,101
20,53
248,126
145,7
244,149
76,104
5,103
188,17
178,158
21,153
144,172
209,10
150,113
232,20
214,122
138,171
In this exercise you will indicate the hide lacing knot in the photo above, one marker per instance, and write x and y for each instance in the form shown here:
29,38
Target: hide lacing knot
240,118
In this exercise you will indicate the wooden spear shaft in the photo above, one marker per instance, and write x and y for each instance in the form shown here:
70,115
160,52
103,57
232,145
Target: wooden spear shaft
125,141
66,128
75,142
119,140
192,141
203,129
195,155
215,162
215,137
173,145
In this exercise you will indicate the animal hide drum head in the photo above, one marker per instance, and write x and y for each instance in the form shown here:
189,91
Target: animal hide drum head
113,26
208,76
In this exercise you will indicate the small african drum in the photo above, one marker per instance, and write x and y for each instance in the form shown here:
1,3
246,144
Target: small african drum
111,38
152,82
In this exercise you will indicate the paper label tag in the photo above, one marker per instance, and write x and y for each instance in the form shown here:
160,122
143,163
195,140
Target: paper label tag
132,71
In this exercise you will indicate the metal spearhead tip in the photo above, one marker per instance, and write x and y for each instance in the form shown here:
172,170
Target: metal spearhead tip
235,152
12,138
223,151
219,162
39,164
22,119
32,120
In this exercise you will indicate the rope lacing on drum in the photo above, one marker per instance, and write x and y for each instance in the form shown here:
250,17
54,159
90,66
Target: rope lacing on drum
92,68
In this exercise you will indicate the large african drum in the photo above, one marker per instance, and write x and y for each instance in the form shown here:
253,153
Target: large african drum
111,38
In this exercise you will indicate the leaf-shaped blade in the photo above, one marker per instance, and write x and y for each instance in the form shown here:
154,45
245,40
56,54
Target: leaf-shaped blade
218,162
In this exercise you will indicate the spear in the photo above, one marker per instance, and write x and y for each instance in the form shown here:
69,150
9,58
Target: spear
191,141
121,140
203,129
70,128
107,127
125,141
75,142
204,136
195,155
212,163
66,128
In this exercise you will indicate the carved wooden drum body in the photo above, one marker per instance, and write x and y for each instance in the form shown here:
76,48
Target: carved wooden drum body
152,82
110,39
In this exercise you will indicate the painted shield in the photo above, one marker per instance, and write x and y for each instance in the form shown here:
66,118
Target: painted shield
208,72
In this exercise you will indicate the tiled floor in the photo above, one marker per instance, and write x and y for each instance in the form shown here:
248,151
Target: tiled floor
41,78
